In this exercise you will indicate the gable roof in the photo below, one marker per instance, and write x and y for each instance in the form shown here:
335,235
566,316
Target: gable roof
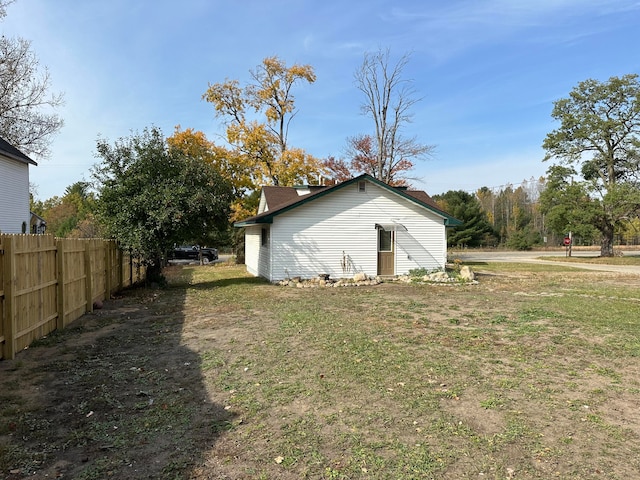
9,151
289,199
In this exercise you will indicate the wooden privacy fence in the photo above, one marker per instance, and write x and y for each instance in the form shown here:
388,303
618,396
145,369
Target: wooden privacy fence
47,282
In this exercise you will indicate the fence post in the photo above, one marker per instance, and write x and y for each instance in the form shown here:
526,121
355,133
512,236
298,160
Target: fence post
88,282
60,276
107,269
120,256
9,323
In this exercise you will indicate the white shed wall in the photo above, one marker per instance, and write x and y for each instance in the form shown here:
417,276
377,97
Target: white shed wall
14,195
252,250
339,229
256,255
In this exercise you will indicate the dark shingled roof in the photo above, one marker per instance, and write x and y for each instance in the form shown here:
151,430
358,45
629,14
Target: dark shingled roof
10,151
423,197
277,197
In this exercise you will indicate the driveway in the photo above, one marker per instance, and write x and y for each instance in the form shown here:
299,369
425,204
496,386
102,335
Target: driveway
538,256
222,258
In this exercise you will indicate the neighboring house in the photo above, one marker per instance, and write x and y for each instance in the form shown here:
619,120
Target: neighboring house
38,224
361,225
14,189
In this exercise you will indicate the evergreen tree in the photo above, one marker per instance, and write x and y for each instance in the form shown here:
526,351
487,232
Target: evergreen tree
475,231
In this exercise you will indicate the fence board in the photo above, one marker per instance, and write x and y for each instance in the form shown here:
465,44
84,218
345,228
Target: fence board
34,282
46,283
2,339
73,280
98,271
8,344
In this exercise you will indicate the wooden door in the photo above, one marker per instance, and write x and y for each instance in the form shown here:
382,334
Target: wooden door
385,252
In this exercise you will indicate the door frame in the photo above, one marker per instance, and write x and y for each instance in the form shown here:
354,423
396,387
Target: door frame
389,255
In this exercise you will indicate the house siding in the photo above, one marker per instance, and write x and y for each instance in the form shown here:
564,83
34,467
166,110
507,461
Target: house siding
265,253
14,195
252,250
336,235
256,255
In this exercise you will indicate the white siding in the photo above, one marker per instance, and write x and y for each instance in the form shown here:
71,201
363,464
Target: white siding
256,255
262,206
252,250
14,195
264,259
423,246
320,236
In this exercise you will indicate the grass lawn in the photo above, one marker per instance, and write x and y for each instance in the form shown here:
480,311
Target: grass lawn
624,260
532,373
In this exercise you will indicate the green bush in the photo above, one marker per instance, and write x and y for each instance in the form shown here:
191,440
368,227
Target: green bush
523,240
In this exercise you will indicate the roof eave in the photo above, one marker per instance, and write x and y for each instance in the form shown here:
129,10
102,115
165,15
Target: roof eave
17,158
258,221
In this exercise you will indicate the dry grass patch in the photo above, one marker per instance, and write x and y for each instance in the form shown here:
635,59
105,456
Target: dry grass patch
532,373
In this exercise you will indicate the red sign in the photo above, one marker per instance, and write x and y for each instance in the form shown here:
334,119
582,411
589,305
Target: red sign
567,241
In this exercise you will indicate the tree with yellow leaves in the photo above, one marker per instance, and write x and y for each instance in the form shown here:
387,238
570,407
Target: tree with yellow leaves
227,162
259,148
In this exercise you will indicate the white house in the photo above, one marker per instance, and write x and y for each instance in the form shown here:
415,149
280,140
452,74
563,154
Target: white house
361,225
14,189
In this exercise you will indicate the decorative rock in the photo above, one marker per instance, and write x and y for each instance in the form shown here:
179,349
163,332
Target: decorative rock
320,281
467,274
437,277
359,277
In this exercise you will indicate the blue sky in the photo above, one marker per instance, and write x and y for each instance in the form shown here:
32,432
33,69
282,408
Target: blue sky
487,72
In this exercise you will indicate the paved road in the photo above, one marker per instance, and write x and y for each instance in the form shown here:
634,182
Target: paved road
538,257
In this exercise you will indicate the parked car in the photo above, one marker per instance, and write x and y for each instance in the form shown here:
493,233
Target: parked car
192,252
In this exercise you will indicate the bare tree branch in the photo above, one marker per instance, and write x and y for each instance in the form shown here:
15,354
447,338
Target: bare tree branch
388,101
27,120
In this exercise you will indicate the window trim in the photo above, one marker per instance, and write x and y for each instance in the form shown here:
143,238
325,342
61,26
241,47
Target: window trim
391,233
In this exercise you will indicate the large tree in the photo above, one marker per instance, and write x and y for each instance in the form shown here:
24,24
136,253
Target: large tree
27,117
362,157
598,138
152,196
389,98
258,117
226,161
567,206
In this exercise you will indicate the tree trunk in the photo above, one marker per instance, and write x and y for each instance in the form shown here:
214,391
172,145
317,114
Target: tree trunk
606,246
154,271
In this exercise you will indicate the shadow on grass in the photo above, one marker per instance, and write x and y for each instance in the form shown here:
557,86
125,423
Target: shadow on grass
115,395
230,282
